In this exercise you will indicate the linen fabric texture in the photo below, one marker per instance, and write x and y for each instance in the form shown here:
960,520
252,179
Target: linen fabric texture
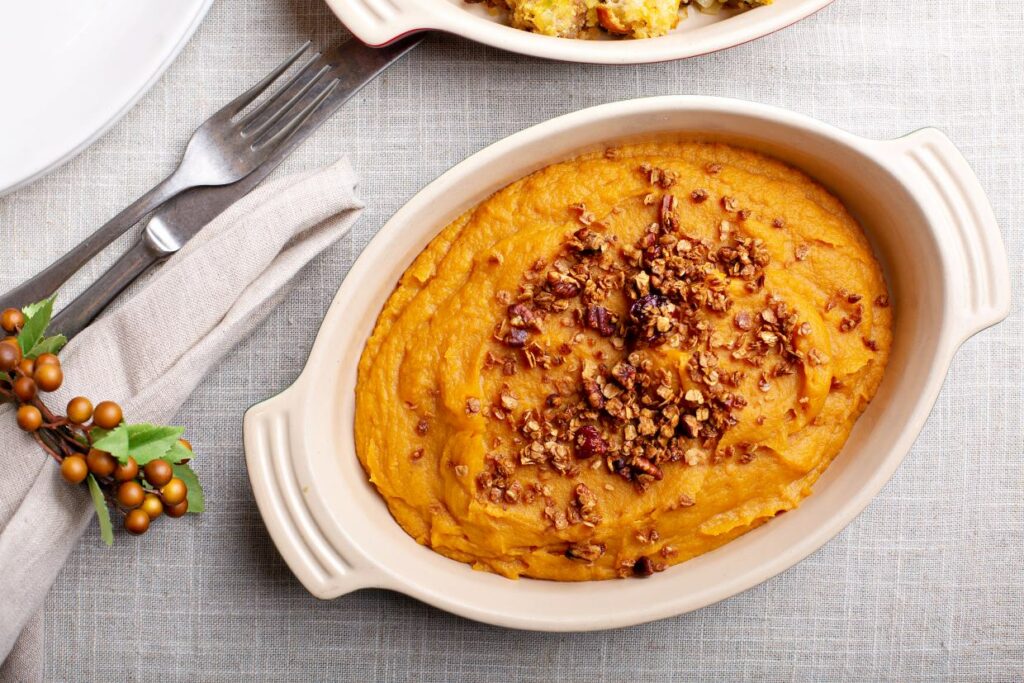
924,585
149,354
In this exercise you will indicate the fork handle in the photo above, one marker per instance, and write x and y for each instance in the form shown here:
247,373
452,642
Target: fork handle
47,281
77,315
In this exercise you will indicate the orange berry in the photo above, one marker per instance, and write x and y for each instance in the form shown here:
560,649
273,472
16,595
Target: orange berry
79,410
29,418
101,463
74,469
158,472
107,415
136,522
130,494
127,471
174,491
47,359
9,357
27,366
25,389
12,320
48,377
179,510
152,506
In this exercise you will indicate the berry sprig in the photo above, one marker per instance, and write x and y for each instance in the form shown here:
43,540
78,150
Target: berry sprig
139,470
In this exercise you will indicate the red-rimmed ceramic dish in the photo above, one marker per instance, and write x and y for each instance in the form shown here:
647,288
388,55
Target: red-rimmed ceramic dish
378,22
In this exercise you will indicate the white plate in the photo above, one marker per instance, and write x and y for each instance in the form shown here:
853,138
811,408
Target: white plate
72,68
379,22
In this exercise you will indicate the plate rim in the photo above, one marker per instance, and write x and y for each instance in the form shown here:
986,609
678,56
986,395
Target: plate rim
84,143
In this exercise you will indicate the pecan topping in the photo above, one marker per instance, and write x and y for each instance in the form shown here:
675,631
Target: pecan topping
616,409
517,337
585,551
565,289
643,566
600,319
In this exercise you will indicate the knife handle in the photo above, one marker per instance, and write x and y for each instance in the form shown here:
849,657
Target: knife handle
77,315
46,282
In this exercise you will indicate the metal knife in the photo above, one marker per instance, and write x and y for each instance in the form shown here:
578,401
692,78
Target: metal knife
354,65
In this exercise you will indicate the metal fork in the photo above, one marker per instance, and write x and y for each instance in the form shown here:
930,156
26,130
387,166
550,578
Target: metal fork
223,150
352,66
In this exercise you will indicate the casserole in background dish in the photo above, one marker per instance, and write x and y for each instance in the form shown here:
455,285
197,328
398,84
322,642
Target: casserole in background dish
379,22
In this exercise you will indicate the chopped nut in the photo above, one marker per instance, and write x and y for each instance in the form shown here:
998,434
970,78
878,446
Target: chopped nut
565,289
516,337
585,551
600,319
743,321
695,456
643,567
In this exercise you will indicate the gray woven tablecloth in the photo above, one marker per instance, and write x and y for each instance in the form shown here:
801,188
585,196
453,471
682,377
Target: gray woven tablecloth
927,584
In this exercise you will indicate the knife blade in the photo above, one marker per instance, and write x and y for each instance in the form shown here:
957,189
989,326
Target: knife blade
353,66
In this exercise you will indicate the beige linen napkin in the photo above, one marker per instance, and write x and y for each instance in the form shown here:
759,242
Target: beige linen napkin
203,301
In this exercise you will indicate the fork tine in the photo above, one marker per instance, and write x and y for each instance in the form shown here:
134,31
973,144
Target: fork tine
269,139
280,102
232,108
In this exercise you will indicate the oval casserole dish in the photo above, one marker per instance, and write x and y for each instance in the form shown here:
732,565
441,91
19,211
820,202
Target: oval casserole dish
932,230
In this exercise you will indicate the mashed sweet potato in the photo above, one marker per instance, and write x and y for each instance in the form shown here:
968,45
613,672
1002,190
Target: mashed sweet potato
621,362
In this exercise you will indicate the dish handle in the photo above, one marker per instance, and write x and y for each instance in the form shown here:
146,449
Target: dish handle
381,22
273,439
971,243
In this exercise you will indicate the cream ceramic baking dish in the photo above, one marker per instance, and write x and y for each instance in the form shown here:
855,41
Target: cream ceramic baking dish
378,22
932,229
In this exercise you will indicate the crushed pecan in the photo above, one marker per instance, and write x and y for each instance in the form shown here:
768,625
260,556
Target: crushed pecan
585,551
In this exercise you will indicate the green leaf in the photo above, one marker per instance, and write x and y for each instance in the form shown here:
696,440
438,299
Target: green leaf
102,511
32,309
196,502
144,442
47,345
114,441
178,453
148,442
37,319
